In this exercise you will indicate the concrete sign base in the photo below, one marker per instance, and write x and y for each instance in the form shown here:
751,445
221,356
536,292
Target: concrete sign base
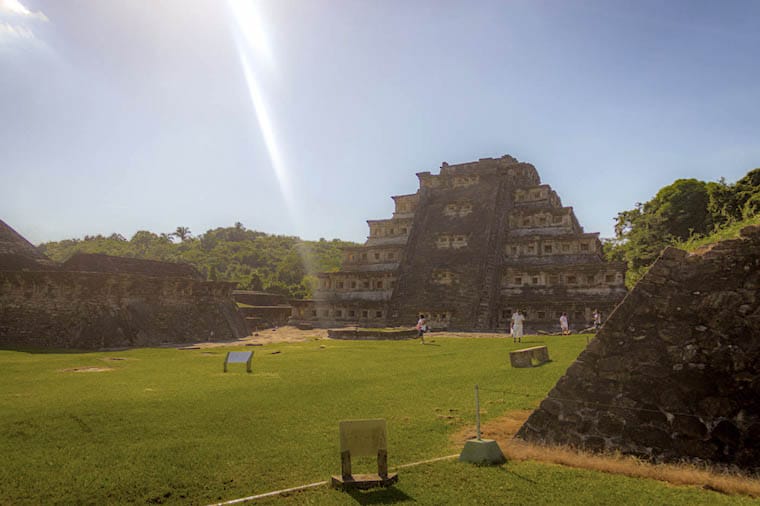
482,451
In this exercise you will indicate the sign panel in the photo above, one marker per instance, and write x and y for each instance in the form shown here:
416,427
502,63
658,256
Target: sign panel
363,438
238,357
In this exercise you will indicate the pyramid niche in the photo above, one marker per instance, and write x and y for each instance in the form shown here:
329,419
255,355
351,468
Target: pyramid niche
674,374
473,243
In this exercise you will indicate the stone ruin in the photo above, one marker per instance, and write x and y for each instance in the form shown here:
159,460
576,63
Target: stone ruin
98,301
474,243
18,254
262,310
674,374
98,262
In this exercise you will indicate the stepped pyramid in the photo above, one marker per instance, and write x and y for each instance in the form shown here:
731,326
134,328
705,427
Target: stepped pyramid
475,242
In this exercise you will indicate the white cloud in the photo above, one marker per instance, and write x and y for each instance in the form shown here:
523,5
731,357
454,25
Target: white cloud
14,7
16,23
15,32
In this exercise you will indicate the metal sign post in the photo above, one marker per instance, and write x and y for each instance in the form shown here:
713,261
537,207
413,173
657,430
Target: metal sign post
481,451
477,410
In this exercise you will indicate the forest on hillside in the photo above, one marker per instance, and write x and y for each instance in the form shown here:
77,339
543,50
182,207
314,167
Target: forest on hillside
682,211
254,260
685,210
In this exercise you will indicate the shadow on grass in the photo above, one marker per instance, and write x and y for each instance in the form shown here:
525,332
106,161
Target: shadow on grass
389,495
507,471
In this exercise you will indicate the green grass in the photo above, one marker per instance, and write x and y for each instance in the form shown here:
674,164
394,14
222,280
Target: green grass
729,232
522,483
168,425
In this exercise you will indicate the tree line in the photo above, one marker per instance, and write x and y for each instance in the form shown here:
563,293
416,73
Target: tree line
683,210
254,260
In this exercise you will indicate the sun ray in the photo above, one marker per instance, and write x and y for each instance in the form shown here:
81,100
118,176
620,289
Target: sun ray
255,55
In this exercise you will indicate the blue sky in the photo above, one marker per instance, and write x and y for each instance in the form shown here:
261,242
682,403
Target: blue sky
304,117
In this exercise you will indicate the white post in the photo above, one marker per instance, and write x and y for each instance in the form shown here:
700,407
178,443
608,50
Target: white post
477,410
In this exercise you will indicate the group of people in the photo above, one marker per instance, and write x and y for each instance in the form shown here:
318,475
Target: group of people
518,317
516,325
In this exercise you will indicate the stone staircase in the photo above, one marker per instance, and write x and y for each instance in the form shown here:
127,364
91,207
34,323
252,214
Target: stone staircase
487,307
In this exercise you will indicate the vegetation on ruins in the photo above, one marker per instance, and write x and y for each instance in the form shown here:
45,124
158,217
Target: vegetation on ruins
686,210
168,426
727,232
255,260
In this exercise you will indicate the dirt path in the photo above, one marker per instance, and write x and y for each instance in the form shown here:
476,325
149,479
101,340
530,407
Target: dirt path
285,334
289,334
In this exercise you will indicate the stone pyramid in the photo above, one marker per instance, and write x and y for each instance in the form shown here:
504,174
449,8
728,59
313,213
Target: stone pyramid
674,374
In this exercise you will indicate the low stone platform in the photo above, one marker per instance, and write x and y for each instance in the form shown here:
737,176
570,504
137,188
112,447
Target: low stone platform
527,356
371,334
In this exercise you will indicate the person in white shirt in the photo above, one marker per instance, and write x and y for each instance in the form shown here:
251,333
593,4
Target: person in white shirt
421,328
517,326
564,325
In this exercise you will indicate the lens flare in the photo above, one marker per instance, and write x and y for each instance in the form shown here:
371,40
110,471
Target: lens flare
255,54
253,48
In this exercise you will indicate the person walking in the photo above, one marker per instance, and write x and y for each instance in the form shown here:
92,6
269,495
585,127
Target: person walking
421,328
517,326
597,319
563,324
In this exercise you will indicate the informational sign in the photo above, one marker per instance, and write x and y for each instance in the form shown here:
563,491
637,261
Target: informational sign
363,438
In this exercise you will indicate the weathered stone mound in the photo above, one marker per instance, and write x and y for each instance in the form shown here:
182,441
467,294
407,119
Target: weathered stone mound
97,301
674,374
95,262
82,310
262,310
18,254
253,298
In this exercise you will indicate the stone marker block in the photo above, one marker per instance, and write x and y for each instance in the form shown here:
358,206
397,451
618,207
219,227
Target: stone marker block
525,357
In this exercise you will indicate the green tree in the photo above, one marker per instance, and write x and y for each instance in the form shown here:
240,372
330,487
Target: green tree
675,213
182,233
747,191
255,260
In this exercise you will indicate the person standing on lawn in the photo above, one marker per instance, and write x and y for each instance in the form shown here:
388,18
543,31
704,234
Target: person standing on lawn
421,328
517,326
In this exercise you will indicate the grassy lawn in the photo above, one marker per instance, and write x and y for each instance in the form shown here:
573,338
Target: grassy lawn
167,425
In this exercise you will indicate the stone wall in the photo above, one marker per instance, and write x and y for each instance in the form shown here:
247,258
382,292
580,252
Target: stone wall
254,298
59,309
96,262
674,374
